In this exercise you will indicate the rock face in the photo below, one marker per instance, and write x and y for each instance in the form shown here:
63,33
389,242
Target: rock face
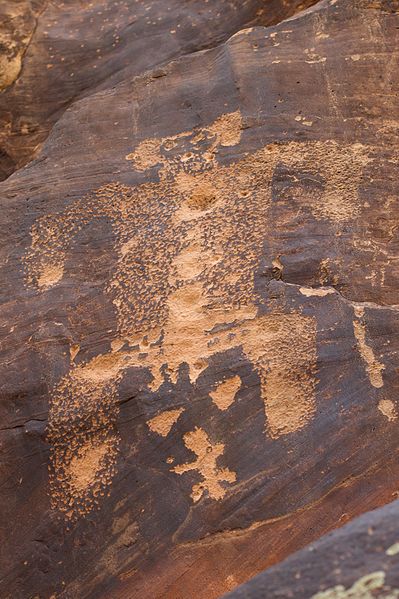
79,47
358,561
199,318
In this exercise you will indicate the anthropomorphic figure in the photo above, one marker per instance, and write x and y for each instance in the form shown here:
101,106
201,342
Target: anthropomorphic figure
187,248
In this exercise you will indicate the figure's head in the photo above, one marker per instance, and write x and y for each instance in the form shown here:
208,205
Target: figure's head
190,151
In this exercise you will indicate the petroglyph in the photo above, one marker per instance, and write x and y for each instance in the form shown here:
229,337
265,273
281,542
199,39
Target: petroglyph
85,465
50,275
82,435
387,408
373,366
162,423
183,287
282,348
207,454
225,131
224,394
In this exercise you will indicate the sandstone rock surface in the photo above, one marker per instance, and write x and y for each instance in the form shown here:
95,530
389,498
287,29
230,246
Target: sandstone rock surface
358,561
78,47
199,304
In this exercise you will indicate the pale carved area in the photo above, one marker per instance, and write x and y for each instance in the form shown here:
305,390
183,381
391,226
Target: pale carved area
199,319
198,257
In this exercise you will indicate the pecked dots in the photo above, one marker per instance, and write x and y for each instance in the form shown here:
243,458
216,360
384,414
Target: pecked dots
189,151
82,437
169,144
182,284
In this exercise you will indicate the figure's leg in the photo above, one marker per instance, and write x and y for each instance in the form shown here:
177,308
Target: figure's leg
82,435
282,348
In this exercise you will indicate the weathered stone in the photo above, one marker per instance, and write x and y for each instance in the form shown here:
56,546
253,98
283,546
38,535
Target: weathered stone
79,47
199,311
359,561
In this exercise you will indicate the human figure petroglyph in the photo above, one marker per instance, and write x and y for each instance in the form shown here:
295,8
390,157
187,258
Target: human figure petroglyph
206,464
183,285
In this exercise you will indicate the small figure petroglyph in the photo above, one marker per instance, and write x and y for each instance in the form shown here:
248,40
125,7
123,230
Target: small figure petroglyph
206,465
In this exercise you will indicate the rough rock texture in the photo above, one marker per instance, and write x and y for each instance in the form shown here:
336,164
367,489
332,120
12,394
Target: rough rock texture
80,46
359,561
199,318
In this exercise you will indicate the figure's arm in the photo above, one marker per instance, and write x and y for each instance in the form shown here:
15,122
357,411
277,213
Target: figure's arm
51,236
